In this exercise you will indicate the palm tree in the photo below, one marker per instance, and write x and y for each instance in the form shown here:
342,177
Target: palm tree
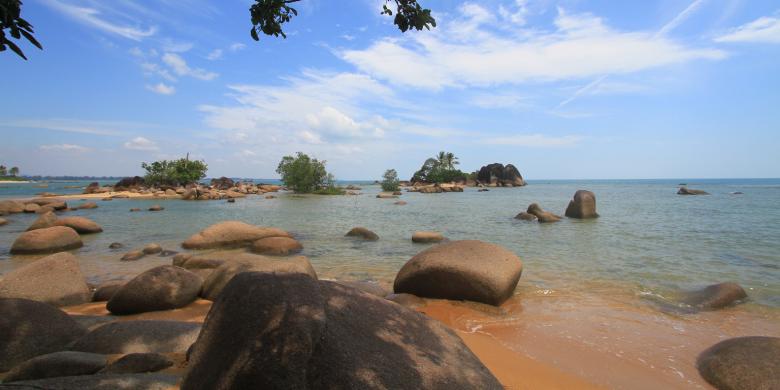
442,159
14,171
3,170
452,161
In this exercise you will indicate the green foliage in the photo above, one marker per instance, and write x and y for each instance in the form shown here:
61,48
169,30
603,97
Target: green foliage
390,181
3,170
174,172
10,19
440,169
304,174
14,171
269,15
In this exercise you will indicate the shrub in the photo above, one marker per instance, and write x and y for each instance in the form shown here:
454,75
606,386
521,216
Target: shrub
305,175
175,172
390,181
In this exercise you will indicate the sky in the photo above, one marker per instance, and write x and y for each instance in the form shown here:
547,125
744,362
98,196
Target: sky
567,89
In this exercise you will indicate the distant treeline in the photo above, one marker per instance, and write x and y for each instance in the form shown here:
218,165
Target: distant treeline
96,178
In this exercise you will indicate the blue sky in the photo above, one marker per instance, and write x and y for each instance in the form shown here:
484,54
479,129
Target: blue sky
562,89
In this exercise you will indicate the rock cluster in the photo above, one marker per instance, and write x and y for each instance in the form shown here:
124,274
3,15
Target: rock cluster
498,175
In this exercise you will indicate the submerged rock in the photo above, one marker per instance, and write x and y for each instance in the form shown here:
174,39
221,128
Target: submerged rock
57,364
11,207
583,206
293,332
461,270
525,216
231,234
3,221
715,296
55,279
541,215
29,328
161,288
363,233
688,191
47,240
156,208
742,363
124,337
88,206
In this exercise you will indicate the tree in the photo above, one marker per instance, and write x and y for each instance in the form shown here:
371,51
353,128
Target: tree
390,182
10,19
440,169
14,171
304,174
269,15
175,172
3,170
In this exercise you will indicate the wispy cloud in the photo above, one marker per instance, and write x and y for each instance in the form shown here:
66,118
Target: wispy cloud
64,148
181,68
237,46
141,143
214,55
534,140
162,89
92,17
762,30
67,125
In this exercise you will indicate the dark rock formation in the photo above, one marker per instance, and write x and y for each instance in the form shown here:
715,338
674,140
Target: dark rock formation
161,288
742,363
498,175
223,183
716,296
362,233
583,205
129,183
136,363
123,337
57,364
688,191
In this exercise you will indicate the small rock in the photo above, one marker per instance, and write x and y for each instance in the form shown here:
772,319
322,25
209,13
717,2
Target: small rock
133,255
525,216
276,246
47,219
135,209
88,205
231,200
80,224
688,191
105,291
115,245
427,237
541,215
3,221
231,234
400,203
151,249
156,208
716,296
136,363
122,337
362,233
31,208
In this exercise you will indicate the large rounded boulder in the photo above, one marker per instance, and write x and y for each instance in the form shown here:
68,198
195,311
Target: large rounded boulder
140,336
45,220
221,275
276,246
47,240
80,224
583,206
57,364
742,363
231,234
289,331
461,270
29,328
161,288
55,279
715,296
363,233
11,207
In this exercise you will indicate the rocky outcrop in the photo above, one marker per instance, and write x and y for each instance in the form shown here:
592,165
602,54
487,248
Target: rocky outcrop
231,234
161,288
427,237
541,215
223,183
47,240
288,331
461,270
363,233
221,275
55,279
276,246
136,363
742,363
498,175
583,206
688,191
31,208
715,296
129,183
80,224
124,337
29,328
57,364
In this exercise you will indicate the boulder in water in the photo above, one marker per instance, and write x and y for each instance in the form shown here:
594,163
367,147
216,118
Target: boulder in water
150,249
689,191
80,224
276,246
525,216
47,240
742,363
541,215
427,237
231,234
47,219
715,296
583,206
221,275
363,233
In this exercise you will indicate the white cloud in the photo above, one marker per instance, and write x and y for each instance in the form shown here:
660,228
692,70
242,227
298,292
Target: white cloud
67,125
465,52
214,55
533,140
172,46
762,30
162,89
91,17
518,16
237,46
151,68
348,37
141,143
65,148
180,67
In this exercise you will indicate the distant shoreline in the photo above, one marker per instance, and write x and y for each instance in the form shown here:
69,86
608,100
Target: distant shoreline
14,181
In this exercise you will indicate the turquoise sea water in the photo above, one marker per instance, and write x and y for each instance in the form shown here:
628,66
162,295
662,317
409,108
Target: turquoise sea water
648,241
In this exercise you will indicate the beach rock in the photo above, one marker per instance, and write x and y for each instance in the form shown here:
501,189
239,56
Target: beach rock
276,246
231,234
100,382
151,249
29,328
170,192
325,335
525,216
742,363
31,208
129,183
362,233
181,258
193,263
372,288
427,237
269,197
106,200
57,364
400,203
57,204
223,183
161,288
156,208
430,190
120,196
115,245
136,363
106,290
47,240
688,191
231,200
167,253
583,206
54,279
3,221
715,296
407,300
80,224
541,215
135,209
123,337
133,255
221,275
47,219
88,206
10,207
498,175
386,196
461,270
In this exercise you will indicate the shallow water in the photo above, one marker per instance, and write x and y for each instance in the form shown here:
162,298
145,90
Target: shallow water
647,242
